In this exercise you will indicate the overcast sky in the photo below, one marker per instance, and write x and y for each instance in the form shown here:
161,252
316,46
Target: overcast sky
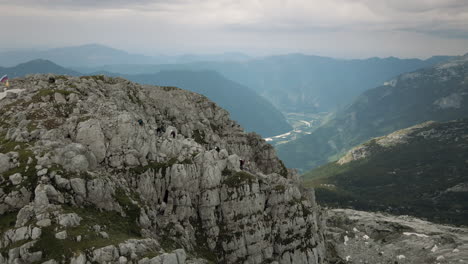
337,28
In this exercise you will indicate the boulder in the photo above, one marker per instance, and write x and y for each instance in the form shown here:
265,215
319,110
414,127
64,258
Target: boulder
89,134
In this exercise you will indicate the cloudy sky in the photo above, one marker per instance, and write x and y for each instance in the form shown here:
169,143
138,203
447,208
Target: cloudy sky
337,28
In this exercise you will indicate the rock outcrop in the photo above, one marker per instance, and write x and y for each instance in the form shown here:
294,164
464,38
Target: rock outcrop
363,237
102,170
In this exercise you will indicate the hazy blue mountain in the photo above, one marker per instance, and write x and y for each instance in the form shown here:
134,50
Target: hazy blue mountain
252,111
36,66
438,93
227,56
85,55
92,55
421,171
297,82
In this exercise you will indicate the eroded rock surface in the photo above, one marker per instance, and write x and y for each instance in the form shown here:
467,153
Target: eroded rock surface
364,237
116,172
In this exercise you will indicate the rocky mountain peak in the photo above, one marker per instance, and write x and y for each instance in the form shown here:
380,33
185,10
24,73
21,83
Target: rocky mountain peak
98,169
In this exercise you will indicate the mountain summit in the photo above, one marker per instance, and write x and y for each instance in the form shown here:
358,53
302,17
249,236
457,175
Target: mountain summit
103,170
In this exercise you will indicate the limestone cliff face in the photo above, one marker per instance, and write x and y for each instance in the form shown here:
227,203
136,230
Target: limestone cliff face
83,181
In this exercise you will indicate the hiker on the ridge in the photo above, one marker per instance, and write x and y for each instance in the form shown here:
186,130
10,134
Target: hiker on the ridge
140,122
241,163
217,149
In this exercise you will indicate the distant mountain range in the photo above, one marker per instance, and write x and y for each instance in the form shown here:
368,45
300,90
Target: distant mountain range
36,66
252,111
292,82
93,55
421,171
297,82
438,93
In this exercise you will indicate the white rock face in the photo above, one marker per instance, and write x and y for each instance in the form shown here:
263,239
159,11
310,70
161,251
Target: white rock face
89,134
69,220
96,161
61,235
5,164
16,178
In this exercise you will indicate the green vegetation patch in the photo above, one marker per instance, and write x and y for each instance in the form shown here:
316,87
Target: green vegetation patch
117,227
50,92
156,166
201,248
7,221
132,94
131,210
94,77
169,88
237,179
199,137
28,171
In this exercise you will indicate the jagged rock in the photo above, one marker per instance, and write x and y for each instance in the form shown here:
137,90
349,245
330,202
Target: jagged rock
80,259
16,178
24,215
44,223
42,172
29,257
17,199
75,157
5,164
106,254
104,235
383,238
123,260
61,235
99,163
78,186
36,233
62,183
52,261
69,220
59,98
89,133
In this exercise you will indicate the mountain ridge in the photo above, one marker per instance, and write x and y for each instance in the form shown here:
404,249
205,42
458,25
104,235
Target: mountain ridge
437,93
249,109
100,169
421,171
298,82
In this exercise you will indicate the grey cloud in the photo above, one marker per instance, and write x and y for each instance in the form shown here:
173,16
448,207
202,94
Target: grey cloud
208,24
415,6
90,4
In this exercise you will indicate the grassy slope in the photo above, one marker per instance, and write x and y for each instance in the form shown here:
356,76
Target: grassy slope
404,179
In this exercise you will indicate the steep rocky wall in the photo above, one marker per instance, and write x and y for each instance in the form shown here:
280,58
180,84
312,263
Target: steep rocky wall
81,176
